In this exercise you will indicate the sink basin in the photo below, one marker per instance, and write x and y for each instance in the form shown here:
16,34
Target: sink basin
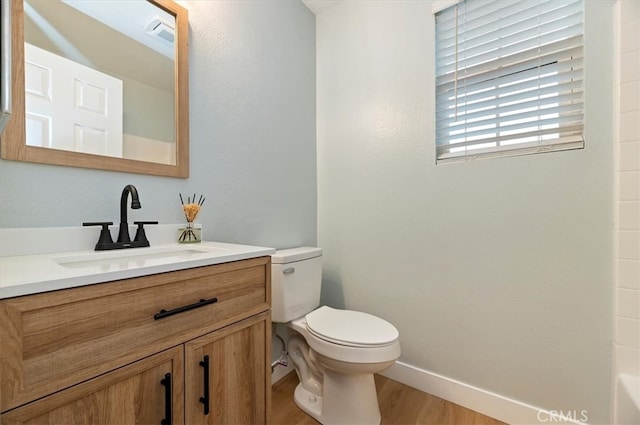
136,257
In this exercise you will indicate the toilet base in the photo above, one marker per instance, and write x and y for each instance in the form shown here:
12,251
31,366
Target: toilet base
348,399
308,402
332,390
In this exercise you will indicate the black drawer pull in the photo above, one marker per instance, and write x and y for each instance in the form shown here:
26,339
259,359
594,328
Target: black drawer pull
168,416
164,313
205,399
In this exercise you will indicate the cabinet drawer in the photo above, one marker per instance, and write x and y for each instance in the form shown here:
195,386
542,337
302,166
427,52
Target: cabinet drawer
54,340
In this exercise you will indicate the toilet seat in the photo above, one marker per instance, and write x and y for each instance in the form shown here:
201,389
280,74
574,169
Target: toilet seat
350,328
377,351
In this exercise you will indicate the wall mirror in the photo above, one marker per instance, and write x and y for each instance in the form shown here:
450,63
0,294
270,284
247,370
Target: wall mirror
100,85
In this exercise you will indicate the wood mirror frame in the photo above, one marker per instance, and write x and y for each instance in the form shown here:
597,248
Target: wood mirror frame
13,139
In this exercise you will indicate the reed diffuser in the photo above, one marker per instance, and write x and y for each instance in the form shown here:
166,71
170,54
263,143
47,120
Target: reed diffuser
191,208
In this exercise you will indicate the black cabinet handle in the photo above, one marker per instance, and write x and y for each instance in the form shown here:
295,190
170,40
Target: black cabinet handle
164,313
168,416
205,399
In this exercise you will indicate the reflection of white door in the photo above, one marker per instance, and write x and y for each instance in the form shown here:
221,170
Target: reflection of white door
70,106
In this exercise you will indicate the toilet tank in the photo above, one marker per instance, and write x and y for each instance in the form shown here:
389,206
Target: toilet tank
296,277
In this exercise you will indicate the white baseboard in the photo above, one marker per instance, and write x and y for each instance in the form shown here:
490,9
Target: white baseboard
490,404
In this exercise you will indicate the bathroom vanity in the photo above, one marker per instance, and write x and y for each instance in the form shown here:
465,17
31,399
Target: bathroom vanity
190,345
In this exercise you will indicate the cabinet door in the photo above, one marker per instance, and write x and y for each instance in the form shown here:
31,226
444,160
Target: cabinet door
228,374
149,391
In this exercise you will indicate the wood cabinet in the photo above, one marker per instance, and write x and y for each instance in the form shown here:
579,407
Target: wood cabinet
134,394
102,354
227,374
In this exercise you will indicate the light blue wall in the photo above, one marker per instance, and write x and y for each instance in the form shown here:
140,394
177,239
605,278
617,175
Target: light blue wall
252,134
497,273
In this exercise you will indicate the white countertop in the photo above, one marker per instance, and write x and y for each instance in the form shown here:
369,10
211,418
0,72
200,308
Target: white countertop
25,274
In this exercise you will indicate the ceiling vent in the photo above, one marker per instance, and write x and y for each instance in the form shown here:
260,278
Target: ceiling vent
160,29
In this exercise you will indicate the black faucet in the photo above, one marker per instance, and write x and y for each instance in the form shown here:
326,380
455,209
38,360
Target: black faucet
123,235
124,240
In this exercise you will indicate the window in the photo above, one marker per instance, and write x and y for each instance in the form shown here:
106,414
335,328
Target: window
508,78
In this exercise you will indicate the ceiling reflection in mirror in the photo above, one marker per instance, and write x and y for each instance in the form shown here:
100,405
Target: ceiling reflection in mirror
99,79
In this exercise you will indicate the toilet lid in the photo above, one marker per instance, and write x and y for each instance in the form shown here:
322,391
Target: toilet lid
352,328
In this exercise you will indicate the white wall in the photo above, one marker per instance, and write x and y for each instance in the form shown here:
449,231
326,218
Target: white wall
252,138
627,209
498,272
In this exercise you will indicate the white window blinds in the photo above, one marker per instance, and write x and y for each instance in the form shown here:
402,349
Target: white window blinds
508,78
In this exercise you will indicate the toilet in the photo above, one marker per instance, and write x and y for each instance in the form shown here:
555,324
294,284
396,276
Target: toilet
334,352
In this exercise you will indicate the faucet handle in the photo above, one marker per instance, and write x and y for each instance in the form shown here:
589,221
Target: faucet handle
141,236
105,235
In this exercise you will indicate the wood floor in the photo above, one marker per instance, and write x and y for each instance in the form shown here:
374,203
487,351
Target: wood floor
399,405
